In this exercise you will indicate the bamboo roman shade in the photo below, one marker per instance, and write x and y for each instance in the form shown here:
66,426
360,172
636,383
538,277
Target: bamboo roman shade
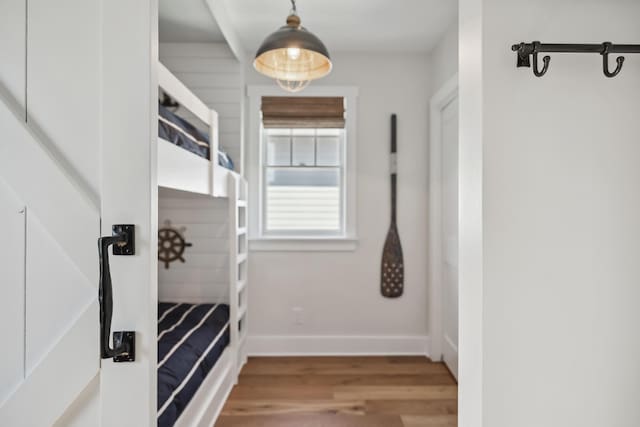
302,112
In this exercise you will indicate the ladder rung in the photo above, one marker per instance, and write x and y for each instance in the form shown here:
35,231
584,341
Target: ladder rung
241,231
241,285
241,258
243,338
242,312
241,203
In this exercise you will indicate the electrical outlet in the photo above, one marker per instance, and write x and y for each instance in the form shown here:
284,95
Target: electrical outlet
298,315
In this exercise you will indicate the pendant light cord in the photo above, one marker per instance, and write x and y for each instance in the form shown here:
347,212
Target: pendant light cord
294,9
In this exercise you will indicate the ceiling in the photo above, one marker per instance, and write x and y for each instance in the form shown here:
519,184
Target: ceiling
187,21
344,25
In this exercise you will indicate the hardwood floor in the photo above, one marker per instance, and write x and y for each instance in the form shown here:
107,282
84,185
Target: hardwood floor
342,392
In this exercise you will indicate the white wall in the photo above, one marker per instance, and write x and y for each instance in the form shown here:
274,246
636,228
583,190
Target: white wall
443,59
339,291
559,216
204,276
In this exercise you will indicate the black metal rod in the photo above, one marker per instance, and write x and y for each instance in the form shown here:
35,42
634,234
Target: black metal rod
529,48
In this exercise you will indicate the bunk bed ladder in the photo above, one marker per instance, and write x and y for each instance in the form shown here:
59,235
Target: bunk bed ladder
238,268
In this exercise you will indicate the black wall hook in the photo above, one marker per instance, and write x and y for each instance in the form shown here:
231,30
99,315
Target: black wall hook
527,50
546,60
605,61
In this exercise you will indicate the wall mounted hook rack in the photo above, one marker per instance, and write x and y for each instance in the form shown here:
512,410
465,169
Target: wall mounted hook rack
526,51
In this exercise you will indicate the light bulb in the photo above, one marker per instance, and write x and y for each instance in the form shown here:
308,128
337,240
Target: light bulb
293,53
293,85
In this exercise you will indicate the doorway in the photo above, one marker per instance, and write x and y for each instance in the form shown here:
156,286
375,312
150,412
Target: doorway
443,226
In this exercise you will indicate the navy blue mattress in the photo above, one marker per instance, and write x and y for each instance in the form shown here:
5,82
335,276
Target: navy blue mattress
191,338
180,132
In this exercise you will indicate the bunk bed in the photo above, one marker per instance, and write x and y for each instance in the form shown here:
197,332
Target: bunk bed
180,167
201,342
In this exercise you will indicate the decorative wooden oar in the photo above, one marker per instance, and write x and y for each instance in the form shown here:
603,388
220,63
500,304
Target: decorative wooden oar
392,268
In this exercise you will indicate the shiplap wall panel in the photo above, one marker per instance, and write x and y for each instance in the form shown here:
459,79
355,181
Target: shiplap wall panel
203,80
204,276
183,64
197,215
197,50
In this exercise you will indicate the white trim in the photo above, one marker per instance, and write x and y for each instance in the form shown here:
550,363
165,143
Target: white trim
452,360
181,93
254,176
439,101
220,14
329,345
129,192
238,283
311,244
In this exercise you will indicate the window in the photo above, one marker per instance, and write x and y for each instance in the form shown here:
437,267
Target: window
301,169
303,182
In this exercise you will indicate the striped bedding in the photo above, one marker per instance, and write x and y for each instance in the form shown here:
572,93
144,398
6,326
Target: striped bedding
191,338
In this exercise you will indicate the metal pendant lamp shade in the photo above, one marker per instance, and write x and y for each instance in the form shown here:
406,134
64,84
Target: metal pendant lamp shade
293,56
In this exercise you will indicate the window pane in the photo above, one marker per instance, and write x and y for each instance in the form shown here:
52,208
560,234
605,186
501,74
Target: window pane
303,200
304,151
328,151
278,150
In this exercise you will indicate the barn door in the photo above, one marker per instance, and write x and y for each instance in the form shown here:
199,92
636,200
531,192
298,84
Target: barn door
450,249
68,111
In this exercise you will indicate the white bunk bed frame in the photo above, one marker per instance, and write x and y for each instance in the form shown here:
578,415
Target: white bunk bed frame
181,170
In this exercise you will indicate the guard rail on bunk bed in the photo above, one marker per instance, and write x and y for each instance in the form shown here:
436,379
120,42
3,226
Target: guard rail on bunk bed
182,170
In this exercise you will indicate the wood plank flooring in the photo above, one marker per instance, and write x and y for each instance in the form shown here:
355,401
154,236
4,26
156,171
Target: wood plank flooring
342,392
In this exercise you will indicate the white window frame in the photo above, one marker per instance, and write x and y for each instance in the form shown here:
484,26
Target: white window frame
258,241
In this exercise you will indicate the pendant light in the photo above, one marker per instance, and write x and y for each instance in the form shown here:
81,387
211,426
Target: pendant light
292,55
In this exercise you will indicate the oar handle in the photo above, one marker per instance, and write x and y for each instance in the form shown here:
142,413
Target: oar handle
394,165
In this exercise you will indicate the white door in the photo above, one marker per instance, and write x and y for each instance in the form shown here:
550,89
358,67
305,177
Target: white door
449,181
63,85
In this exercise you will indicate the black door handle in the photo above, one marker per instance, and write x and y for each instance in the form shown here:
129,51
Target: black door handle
124,341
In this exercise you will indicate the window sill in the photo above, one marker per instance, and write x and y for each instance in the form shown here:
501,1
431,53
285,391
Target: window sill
316,244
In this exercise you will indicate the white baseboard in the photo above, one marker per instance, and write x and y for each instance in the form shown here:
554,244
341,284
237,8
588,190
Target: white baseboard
337,345
450,355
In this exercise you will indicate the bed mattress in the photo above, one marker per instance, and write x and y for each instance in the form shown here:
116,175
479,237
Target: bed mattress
191,338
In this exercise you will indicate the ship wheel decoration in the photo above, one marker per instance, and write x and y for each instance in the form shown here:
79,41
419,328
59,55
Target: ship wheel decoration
171,244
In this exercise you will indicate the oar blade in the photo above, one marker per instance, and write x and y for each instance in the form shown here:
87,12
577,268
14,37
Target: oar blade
392,267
